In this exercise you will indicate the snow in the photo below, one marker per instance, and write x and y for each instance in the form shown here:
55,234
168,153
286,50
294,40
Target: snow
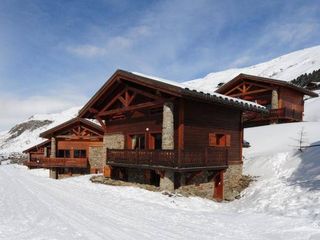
283,202
30,138
286,67
33,207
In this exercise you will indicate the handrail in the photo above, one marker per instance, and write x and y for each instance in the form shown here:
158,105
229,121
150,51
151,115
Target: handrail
274,114
57,162
211,156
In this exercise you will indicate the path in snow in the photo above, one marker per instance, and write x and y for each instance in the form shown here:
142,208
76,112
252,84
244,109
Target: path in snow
35,207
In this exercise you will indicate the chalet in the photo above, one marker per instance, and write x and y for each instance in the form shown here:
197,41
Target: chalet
160,133
71,149
36,152
285,101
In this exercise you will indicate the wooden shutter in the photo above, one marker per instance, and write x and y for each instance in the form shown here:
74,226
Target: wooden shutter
228,140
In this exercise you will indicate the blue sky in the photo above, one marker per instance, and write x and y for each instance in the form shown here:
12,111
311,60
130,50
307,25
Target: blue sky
56,54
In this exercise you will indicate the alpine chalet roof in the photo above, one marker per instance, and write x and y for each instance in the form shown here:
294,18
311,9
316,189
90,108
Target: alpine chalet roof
51,132
169,87
42,144
241,77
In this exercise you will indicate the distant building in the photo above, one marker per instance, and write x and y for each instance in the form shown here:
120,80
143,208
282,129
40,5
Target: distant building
71,149
285,101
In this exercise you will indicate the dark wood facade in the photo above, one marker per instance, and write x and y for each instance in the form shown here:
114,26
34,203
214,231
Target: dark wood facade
284,101
67,149
207,131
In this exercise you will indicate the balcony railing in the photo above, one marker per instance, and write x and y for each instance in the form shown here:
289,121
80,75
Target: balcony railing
274,114
45,162
213,157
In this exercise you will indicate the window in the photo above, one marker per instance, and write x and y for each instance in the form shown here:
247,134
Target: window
64,153
79,153
219,140
138,141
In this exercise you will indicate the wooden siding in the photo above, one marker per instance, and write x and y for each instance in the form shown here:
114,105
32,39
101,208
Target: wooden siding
291,100
201,119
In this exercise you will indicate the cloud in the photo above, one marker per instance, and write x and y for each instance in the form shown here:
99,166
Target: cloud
15,109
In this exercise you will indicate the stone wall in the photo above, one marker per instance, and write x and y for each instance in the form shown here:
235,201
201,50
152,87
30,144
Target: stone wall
53,148
167,181
232,177
168,126
136,175
96,157
53,173
112,141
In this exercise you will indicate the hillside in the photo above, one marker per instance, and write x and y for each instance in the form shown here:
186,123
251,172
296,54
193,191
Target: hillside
26,134
286,67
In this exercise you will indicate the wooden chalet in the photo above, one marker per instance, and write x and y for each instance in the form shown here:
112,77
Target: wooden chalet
285,101
71,149
160,133
38,151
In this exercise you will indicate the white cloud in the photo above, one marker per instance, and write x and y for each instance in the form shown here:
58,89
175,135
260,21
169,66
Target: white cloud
15,109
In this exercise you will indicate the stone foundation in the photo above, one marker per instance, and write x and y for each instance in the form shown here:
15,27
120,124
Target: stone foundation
96,158
167,181
232,177
53,174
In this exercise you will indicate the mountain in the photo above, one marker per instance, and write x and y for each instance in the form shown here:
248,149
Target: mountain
26,134
286,67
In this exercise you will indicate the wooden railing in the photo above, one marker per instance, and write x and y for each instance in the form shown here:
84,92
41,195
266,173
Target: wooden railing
280,113
45,162
169,158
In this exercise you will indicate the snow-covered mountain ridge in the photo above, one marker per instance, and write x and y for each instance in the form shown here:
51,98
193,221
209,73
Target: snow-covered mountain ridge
26,134
286,67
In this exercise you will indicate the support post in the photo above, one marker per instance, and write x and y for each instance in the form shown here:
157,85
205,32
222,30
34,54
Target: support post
167,181
53,148
274,99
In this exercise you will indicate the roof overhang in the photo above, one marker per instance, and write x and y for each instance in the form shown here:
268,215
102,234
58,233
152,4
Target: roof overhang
275,82
53,131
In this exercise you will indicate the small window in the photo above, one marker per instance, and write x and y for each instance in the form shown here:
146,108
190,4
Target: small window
64,153
219,140
79,153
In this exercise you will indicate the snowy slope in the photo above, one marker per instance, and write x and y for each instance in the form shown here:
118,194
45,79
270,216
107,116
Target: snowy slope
286,67
35,207
29,138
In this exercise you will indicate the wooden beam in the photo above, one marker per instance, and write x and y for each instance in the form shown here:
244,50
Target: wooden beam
248,93
93,131
103,125
131,108
181,131
113,100
149,95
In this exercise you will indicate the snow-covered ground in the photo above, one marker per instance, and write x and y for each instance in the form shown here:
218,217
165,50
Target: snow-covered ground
283,202
35,207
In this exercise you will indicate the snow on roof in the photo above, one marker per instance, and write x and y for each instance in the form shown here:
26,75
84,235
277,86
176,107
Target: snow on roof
213,94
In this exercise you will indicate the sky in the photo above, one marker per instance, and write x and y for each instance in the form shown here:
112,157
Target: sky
56,54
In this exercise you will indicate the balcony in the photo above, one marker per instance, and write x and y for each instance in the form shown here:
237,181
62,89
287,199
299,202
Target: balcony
274,114
45,162
210,157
